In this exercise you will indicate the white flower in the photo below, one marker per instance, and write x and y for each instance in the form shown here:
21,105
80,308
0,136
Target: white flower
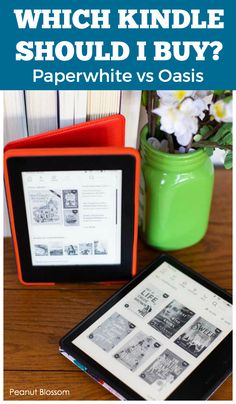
222,111
174,97
186,129
194,107
180,122
169,117
208,99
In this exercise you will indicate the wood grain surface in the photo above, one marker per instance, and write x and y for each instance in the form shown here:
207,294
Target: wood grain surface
37,317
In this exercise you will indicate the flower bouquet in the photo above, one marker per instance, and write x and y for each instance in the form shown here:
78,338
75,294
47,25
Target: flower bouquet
182,121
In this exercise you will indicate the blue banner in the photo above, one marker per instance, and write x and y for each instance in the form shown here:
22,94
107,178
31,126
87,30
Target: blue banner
139,44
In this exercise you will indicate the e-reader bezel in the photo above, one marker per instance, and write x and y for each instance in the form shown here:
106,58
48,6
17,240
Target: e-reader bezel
214,369
70,273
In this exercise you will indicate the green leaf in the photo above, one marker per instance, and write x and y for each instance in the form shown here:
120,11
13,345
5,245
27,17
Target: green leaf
202,132
219,92
228,163
205,129
228,99
209,151
225,129
227,139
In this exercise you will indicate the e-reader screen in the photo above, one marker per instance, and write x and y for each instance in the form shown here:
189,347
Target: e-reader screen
74,217
159,333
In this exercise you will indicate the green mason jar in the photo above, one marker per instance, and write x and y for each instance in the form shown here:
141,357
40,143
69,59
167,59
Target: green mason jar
175,196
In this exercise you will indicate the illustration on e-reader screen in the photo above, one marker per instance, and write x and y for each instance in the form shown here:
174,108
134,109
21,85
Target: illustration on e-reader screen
171,318
198,337
136,351
164,370
45,207
146,301
77,216
111,332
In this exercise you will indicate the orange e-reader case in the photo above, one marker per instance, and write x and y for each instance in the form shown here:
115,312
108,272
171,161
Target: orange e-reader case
73,210
103,132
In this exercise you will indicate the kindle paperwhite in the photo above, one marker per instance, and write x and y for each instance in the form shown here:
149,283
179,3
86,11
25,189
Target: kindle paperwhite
165,335
73,212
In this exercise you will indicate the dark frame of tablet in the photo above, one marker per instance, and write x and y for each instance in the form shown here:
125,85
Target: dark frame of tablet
71,273
200,384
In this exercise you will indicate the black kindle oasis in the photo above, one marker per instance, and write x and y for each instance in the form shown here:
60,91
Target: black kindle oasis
73,213
165,335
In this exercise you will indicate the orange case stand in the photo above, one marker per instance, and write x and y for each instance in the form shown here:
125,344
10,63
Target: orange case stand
56,143
104,132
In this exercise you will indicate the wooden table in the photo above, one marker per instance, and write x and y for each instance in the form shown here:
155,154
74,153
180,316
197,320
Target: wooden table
36,317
